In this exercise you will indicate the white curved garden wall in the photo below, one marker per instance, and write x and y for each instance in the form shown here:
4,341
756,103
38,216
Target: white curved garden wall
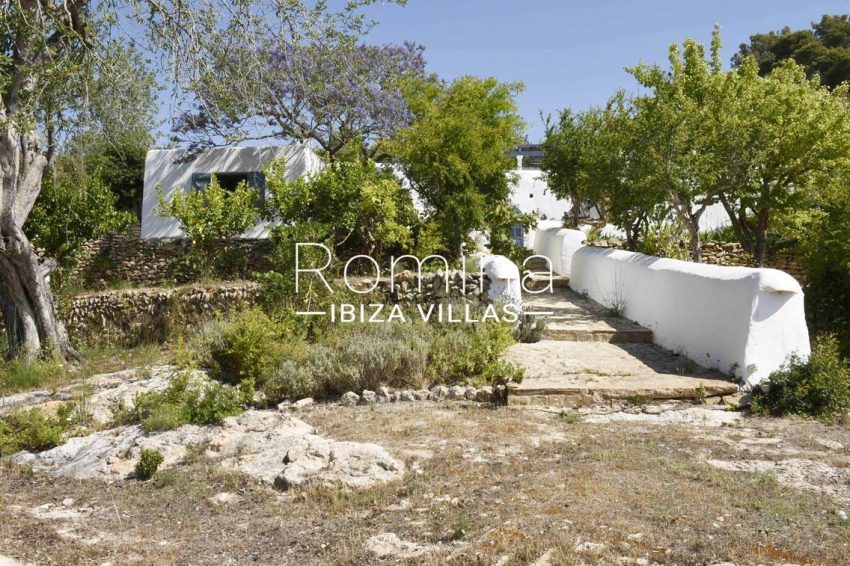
558,244
740,320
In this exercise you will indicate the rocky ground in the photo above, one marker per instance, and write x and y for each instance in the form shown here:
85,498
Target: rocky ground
432,482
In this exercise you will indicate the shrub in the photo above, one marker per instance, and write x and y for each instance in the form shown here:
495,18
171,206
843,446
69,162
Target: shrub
187,400
149,462
31,430
211,217
248,345
471,353
818,387
530,329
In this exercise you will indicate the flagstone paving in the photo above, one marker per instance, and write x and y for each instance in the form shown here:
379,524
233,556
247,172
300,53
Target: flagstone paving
590,355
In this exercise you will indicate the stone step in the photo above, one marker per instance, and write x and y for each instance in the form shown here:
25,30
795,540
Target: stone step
538,282
573,317
566,332
572,374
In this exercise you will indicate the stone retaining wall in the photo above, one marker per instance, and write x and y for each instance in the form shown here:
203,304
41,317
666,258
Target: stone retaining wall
126,257
139,315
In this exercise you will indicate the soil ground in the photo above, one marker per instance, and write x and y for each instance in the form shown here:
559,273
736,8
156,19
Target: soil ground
511,485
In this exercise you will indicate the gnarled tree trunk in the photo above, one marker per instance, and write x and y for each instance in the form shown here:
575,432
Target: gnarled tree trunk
26,302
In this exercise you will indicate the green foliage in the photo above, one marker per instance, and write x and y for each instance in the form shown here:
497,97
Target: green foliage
72,210
247,345
364,208
530,329
342,358
825,246
187,400
148,464
454,154
20,375
824,50
697,136
664,240
461,353
211,217
31,430
818,387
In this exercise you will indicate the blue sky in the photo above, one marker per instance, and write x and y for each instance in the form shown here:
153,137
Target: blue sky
572,53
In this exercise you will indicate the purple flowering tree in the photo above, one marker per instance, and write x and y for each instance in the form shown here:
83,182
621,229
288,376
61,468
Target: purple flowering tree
342,95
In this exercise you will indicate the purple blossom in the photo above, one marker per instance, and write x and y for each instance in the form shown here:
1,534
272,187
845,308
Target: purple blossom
347,89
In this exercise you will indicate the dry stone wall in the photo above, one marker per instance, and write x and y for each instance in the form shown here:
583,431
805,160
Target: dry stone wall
125,257
139,315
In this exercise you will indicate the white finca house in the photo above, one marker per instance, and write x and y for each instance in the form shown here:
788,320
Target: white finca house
177,170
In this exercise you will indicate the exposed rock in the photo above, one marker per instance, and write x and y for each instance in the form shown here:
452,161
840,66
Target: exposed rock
368,397
225,498
407,395
699,416
349,399
802,474
422,395
262,444
456,393
384,395
388,545
470,393
439,392
485,394
302,403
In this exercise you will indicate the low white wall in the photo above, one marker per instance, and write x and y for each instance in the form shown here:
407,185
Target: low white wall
558,244
505,283
740,320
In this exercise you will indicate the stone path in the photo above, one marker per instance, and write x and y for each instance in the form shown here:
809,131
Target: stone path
589,355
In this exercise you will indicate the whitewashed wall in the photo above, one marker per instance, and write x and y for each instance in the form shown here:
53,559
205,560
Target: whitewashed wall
740,320
558,244
168,169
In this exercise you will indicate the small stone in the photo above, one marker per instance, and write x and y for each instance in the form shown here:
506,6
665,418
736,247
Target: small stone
407,395
456,393
384,395
224,498
368,397
302,403
439,392
422,394
349,399
470,393
68,501
485,394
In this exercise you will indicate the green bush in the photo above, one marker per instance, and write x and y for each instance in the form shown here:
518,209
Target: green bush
471,353
148,464
530,329
31,430
818,387
399,355
187,400
248,345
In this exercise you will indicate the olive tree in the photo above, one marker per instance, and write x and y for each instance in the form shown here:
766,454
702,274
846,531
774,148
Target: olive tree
46,47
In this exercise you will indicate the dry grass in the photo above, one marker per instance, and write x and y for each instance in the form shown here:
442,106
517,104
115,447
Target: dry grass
482,483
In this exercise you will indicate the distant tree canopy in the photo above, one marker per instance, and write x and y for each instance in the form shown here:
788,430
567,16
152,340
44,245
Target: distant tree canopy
698,135
823,50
